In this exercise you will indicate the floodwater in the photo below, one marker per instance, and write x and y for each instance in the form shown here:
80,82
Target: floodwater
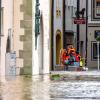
42,88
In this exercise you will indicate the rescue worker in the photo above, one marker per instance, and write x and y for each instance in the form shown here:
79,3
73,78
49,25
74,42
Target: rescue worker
70,49
77,57
81,62
66,62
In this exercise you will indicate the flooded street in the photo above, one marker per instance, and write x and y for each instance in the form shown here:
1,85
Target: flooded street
42,88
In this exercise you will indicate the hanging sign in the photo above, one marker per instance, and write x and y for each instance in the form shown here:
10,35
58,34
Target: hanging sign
79,21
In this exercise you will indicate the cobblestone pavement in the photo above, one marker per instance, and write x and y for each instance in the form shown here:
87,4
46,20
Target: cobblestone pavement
42,88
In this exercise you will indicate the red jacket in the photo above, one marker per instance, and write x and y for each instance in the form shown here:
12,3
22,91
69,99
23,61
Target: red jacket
77,57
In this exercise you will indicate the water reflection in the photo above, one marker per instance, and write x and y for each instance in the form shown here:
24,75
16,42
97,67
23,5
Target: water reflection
25,88
14,89
41,88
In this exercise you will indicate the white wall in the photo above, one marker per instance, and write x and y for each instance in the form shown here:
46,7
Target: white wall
46,32
69,14
18,31
41,59
89,13
7,18
35,64
57,24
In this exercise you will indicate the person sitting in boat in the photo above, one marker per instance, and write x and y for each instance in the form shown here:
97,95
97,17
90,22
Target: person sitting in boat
70,49
66,62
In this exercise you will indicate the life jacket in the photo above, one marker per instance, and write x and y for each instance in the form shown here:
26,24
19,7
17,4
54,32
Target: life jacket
67,57
64,56
71,50
77,57
81,62
68,50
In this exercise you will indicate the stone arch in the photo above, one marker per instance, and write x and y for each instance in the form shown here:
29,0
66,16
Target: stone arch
58,45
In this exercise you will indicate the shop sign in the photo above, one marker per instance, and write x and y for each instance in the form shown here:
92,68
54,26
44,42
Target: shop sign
79,21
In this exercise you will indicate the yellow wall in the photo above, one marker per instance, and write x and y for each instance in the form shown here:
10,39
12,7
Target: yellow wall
58,45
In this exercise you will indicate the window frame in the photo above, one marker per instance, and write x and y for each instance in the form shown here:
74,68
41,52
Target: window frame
93,11
93,58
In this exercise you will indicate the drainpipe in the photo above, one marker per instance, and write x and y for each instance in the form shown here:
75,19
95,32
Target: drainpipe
86,32
78,27
52,46
64,8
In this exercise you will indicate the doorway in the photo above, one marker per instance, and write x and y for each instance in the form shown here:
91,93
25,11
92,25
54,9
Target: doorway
58,47
68,39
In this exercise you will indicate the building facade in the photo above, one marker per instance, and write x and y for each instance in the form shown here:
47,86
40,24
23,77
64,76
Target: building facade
6,31
63,29
16,36
38,54
18,27
93,31
57,32
63,15
22,28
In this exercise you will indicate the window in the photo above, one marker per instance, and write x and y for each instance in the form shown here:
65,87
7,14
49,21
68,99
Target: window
94,50
96,33
96,9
